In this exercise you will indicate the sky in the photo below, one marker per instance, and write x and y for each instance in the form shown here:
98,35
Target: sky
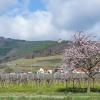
48,19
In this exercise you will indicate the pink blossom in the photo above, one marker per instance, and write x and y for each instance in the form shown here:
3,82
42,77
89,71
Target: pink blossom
84,54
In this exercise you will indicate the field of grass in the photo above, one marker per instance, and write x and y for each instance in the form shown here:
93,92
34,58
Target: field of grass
58,90
36,63
43,91
32,90
36,59
54,87
53,98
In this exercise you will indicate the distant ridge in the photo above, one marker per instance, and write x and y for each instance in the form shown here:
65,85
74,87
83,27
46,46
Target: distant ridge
11,49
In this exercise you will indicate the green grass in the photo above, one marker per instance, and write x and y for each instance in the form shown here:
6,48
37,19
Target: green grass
36,59
49,62
27,98
67,98
27,92
55,87
32,88
49,97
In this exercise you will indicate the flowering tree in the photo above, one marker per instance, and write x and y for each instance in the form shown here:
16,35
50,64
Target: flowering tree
84,54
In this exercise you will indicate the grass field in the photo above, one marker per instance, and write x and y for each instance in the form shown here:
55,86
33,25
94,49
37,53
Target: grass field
68,97
35,64
58,90
44,91
55,91
53,88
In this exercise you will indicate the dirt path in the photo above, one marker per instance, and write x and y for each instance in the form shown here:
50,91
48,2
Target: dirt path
46,96
36,96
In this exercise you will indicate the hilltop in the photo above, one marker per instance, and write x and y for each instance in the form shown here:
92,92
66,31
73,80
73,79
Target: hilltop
11,49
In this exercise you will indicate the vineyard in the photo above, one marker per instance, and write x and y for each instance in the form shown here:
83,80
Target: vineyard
43,83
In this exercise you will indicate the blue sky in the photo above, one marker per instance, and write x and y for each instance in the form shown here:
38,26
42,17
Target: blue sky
48,19
36,5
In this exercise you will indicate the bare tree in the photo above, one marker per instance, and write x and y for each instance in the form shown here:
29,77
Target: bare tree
84,54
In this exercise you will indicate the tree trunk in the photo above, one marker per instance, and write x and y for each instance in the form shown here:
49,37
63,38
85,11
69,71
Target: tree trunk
93,82
88,88
66,85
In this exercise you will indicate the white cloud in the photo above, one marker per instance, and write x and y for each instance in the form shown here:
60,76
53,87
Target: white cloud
7,4
35,26
74,15
61,20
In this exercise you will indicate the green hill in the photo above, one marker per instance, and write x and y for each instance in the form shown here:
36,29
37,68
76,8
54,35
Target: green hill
20,55
34,64
12,49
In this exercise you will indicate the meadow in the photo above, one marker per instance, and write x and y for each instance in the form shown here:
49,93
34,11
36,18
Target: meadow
34,64
48,98
56,90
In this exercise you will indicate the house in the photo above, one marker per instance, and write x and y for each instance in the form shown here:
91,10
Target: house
78,70
41,70
60,41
